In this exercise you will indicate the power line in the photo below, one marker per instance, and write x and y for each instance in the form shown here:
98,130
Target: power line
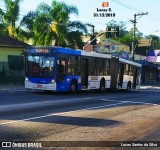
152,16
125,5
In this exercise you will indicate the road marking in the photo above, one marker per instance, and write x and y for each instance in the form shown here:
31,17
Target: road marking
43,103
143,103
87,98
14,90
20,90
5,89
107,100
150,90
54,114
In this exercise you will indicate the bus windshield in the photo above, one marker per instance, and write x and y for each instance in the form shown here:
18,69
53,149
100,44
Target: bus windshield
40,66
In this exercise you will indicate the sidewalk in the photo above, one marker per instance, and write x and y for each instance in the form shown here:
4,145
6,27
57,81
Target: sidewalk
21,87
11,87
150,86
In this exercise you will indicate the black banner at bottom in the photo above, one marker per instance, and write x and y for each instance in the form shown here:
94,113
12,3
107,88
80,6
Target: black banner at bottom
80,144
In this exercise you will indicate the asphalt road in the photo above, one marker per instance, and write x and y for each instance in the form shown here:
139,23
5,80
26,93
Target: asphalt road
85,116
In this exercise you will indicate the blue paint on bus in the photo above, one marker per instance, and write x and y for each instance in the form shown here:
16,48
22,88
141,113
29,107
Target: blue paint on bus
63,85
40,80
68,51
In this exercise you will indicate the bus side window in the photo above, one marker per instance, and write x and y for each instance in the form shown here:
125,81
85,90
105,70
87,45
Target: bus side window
131,71
107,67
74,65
61,70
92,70
61,67
99,66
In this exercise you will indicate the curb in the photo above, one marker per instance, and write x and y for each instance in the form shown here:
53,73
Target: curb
150,87
11,87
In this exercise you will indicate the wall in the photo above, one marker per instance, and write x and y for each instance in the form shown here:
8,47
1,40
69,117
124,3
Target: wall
5,51
8,76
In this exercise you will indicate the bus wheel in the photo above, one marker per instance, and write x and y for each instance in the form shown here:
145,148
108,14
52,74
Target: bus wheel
128,87
73,88
102,87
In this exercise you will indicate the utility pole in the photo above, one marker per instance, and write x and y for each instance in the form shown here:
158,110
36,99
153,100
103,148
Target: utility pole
134,32
91,25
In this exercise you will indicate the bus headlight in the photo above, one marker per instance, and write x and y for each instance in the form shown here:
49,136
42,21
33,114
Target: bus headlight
52,81
26,79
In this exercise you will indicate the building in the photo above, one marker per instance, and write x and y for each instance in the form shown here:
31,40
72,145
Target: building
11,60
150,66
109,46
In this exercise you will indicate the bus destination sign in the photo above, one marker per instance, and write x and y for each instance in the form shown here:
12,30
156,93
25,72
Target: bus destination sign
40,50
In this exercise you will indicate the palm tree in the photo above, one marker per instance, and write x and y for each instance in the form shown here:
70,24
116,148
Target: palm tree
9,17
52,22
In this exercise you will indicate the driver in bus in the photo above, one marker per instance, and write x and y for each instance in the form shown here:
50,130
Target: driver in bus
36,69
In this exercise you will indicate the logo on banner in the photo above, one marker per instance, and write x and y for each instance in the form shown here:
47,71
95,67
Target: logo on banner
105,4
104,11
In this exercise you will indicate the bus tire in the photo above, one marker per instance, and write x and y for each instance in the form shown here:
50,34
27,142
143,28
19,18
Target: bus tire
128,87
102,86
73,87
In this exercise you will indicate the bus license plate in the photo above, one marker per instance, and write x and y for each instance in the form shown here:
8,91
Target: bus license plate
39,85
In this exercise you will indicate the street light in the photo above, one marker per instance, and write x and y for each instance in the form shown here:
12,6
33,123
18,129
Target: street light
93,40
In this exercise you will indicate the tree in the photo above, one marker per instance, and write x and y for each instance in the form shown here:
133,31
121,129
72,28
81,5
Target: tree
155,44
125,37
75,30
9,17
52,22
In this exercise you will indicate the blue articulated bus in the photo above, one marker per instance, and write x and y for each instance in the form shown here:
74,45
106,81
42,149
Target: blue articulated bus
64,69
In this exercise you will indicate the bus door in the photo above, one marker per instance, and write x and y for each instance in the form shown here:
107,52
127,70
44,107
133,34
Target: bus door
61,70
120,75
84,73
114,72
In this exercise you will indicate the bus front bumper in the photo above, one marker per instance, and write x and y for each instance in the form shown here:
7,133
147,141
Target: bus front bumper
29,85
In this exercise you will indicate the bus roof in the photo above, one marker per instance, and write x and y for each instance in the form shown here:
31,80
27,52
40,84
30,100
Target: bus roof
32,47
130,62
94,54
68,51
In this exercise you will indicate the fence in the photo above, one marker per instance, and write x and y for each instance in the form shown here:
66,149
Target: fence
10,76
